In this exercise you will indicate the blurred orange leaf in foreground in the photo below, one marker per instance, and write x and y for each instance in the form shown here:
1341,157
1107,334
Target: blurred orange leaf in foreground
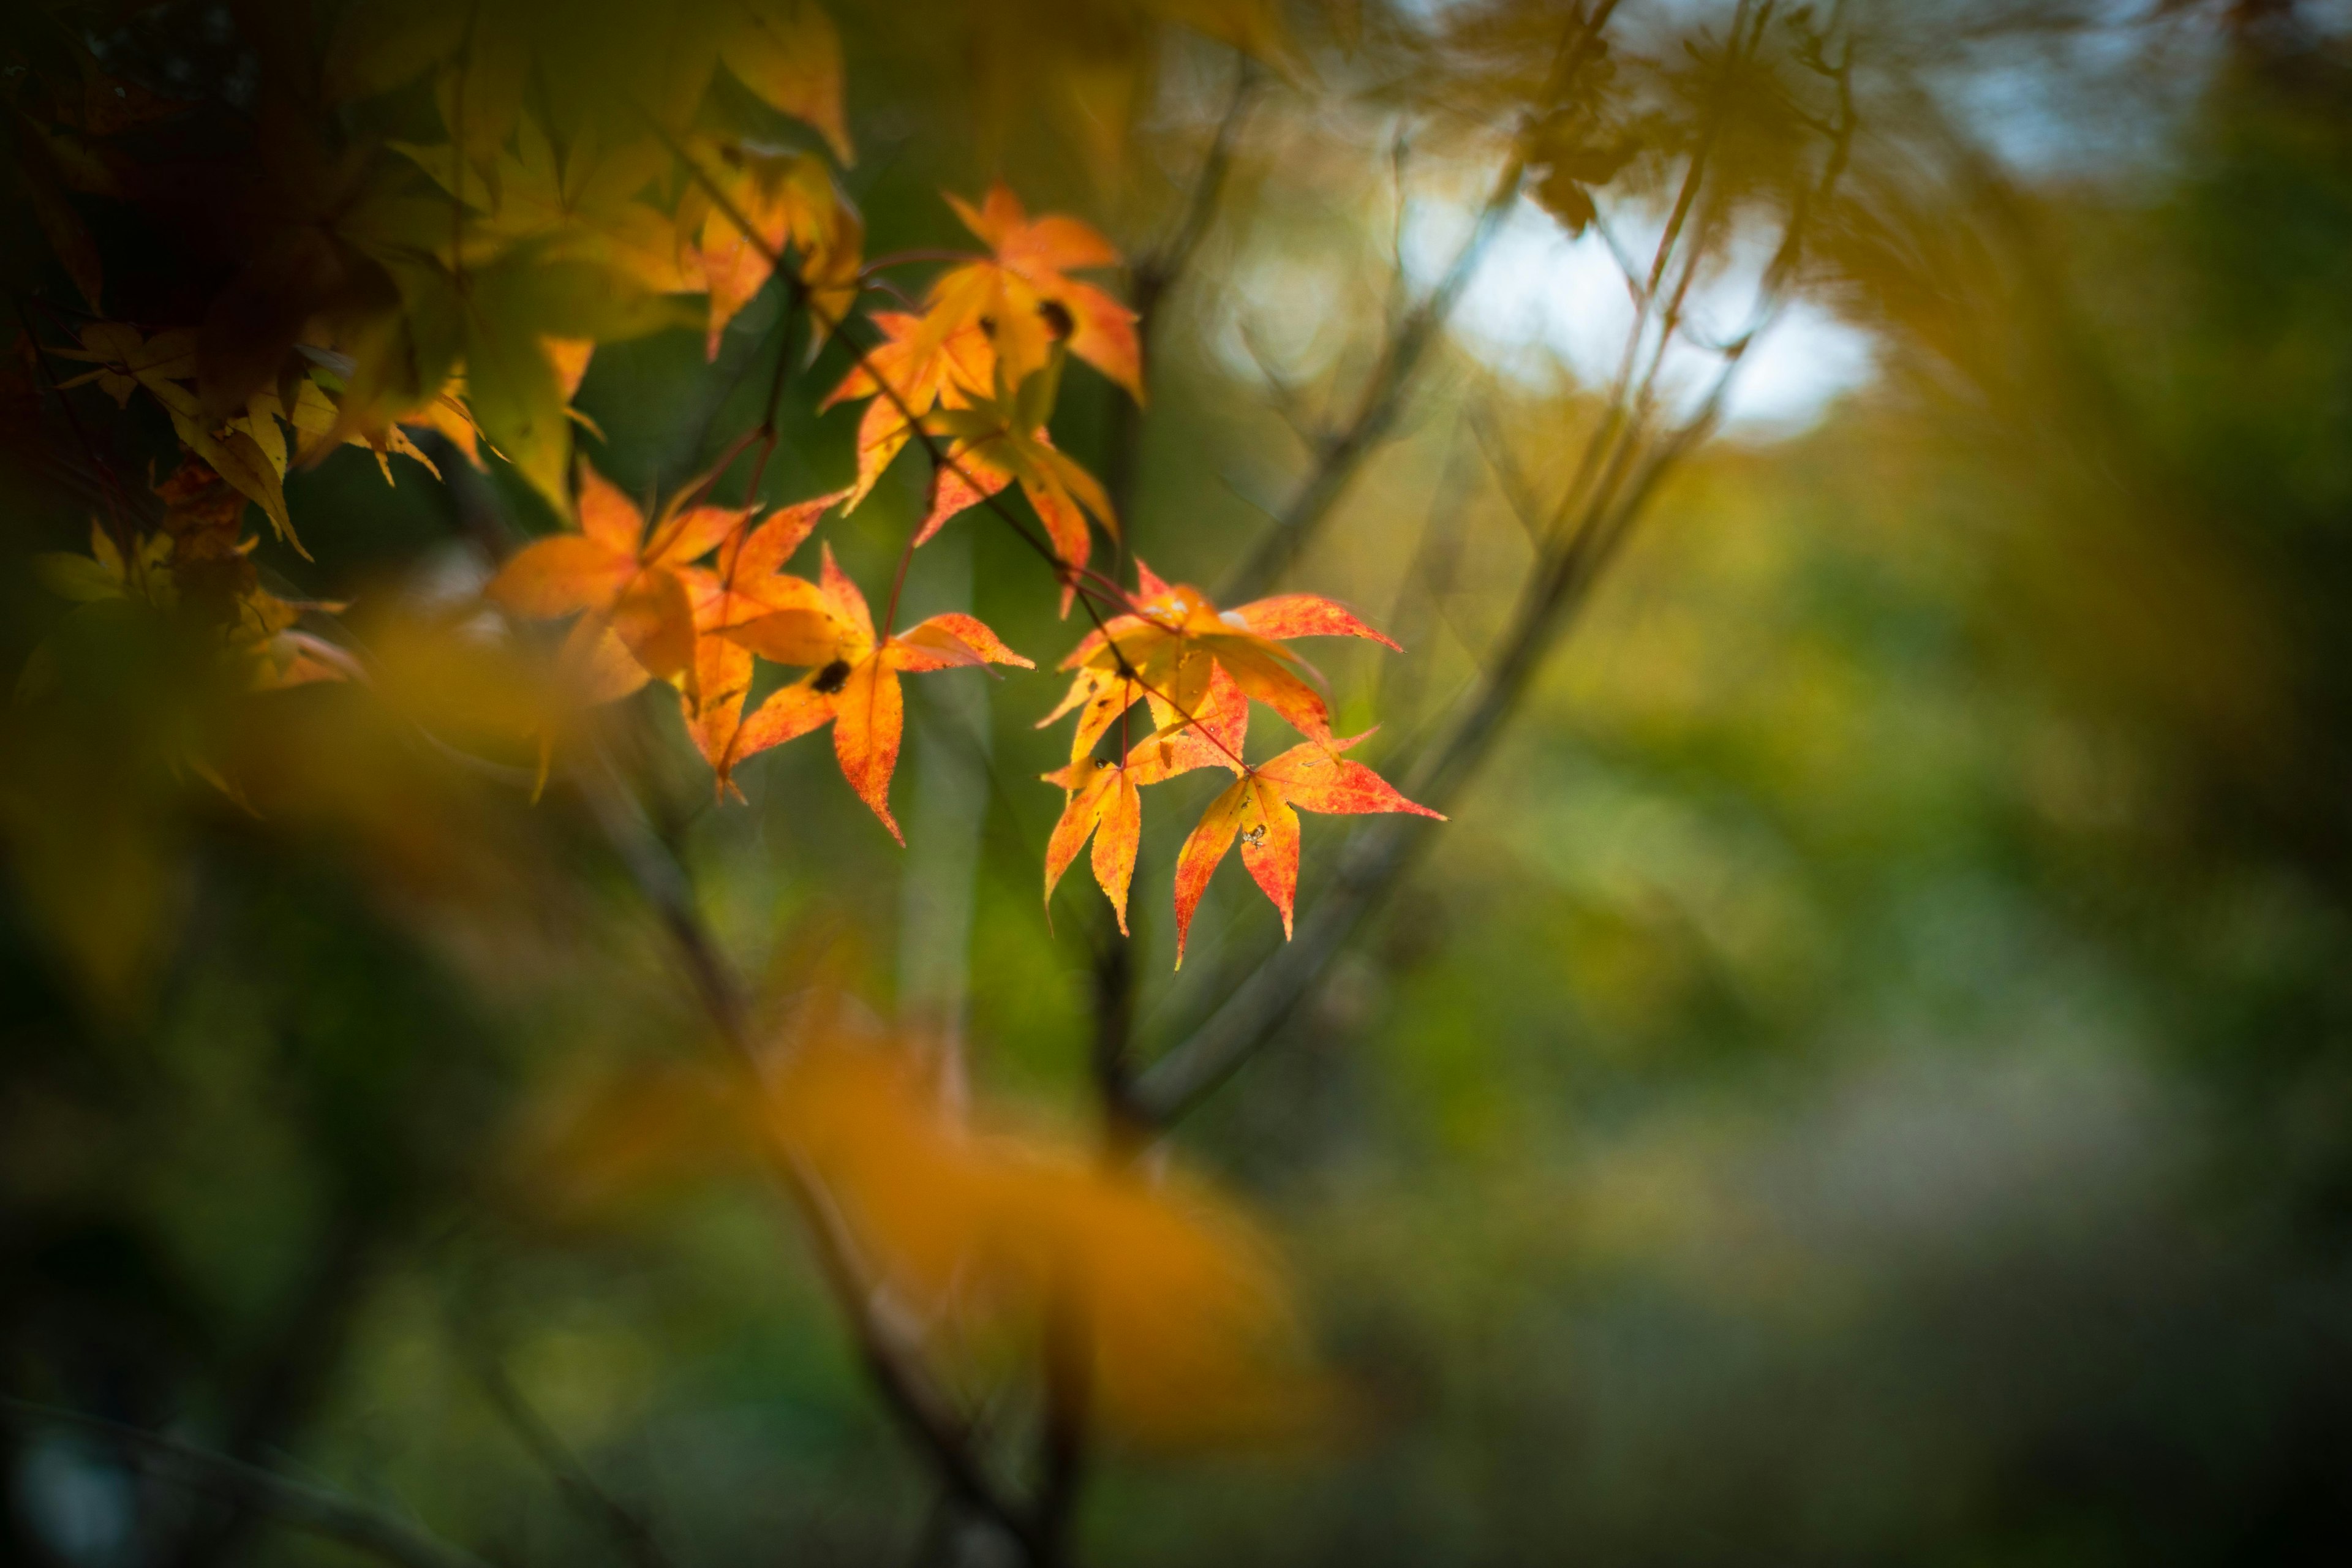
989,1241
1183,1310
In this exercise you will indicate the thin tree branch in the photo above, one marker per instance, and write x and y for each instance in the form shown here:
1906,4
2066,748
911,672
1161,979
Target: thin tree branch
1519,494
631,1534
298,1505
1161,267
1311,432
1587,533
921,1409
1158,271
291,1374
1388,388
103,471
1061,1437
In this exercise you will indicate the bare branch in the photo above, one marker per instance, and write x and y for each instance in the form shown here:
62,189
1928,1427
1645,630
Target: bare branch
926,1413
1160,268
1426,592
1156,272
1519,494
1284,395
1062,1440
1588,531
632,1534
1399,154
1617,252
1391,383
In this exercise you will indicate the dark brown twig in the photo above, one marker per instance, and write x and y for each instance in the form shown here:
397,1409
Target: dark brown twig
108,481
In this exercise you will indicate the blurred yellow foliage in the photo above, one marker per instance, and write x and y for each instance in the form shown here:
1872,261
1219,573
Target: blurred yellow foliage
1189,1327
989,1240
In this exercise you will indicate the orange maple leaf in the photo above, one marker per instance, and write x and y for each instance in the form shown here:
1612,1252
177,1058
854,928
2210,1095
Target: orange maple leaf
1262,808
1021,298
1102,798
787,199
853,680
746,584
1168,647
988,437
991,442
624,574
960,366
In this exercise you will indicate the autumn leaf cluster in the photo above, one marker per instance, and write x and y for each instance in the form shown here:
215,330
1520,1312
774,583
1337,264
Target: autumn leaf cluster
414,241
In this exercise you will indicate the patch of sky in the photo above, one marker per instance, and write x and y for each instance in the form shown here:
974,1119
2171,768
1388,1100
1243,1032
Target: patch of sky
1543,302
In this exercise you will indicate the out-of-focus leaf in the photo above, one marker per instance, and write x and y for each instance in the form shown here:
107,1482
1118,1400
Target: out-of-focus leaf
94,857
517,310
1183,1320
788,52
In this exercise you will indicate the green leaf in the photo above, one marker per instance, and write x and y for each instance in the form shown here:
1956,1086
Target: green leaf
76,577
513,388
579,298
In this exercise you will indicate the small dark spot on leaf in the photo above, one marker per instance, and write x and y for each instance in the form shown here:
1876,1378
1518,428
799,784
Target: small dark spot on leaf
1057,318
833,677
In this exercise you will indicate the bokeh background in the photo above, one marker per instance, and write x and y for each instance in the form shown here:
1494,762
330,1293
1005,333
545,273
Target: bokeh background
1865,1074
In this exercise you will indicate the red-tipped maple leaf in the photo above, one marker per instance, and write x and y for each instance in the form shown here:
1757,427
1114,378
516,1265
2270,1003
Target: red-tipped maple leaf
1262,808
746,584
853,680
1167,649
1102,798
1021,298
623,573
